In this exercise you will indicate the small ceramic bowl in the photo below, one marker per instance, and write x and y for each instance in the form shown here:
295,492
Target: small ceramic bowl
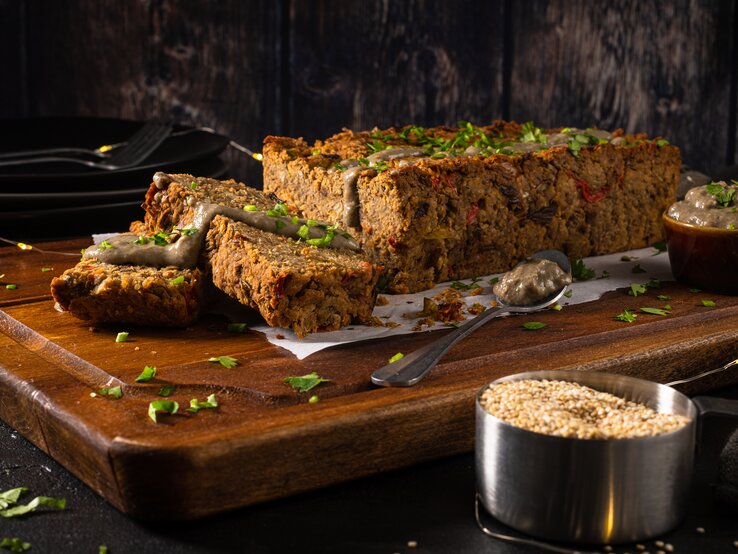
703,257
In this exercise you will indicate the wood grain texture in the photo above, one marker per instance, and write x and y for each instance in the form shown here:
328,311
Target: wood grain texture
13,93
265,440
362,64
216,65
658,67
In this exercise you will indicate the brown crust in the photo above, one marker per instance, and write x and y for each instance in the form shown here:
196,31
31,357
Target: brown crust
453,218
103,293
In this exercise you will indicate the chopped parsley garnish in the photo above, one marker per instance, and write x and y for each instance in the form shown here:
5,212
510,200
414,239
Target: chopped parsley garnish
459,285
237,327
305,382
11,508
708,303
46,269
568,293
636,289
102,550
104,245
556,307
162,407
695,290
197,405
314,399
662,142
627,316
533,325
121,337
278,210
166,390
279,224
14,544
141,240
531,133
628,258
396,357
186,231
11,286
325,240
340,167
654,311
193,185
494,280
111,392
724,194
637,269
148,373
225,361
580,272
250,208
660,247
663,297
178,280
579,140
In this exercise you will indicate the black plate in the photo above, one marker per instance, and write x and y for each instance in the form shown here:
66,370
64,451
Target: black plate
50,222
23,134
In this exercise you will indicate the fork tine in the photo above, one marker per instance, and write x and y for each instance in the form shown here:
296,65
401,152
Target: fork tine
140,145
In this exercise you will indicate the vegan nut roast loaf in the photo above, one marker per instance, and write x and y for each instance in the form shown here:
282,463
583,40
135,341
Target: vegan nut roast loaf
444,203
422,205
313,281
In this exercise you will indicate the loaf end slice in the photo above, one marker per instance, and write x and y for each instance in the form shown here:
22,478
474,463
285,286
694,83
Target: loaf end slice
104,293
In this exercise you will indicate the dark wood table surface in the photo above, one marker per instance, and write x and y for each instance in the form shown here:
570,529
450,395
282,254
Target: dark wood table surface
431,504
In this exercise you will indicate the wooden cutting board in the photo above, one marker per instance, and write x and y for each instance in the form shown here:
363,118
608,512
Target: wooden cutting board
266,441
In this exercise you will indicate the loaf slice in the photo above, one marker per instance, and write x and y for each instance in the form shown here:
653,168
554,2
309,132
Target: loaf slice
478,200
105,293
291,284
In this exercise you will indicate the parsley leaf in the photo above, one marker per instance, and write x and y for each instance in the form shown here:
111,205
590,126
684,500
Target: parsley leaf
121,337
580,272
724,194
148,373
636,289
14,544
627,316
708,303
16,510
305,382
654,311
225,361
166,390
533,325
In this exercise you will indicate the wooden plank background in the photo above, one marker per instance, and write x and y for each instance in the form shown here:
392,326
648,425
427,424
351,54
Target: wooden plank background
309,68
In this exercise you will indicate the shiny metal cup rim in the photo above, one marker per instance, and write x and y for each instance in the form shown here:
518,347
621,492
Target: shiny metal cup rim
585,378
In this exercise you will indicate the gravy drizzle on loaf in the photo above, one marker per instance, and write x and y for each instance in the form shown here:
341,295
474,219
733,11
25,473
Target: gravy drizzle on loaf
410,154
126,248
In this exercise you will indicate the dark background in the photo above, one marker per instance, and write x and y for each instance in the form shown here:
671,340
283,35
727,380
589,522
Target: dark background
309,68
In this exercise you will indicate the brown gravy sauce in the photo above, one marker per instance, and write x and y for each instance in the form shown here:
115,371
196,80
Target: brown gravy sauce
701,208
531,282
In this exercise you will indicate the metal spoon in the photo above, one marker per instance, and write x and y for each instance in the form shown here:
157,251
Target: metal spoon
409,370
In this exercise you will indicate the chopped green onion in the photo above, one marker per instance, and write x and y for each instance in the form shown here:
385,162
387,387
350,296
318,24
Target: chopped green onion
533,325
162,406
112,392
708,303
396,357
121,337
197,405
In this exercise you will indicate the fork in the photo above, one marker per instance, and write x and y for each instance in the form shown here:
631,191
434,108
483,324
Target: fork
139,147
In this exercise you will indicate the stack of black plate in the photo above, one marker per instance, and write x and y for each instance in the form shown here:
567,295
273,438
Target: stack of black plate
61,200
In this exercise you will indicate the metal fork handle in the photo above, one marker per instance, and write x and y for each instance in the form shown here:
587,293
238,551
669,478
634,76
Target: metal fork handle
54,152
50,159
409,370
